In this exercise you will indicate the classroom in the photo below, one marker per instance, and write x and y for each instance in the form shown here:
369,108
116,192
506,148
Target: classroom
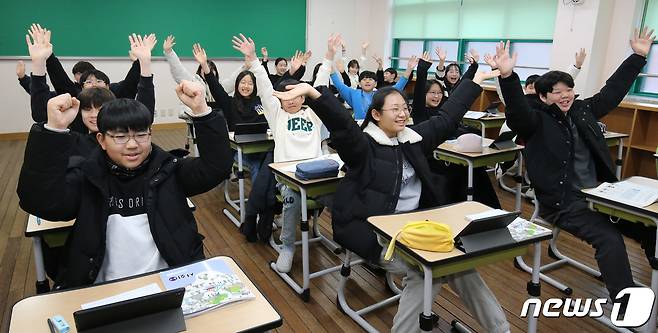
329,166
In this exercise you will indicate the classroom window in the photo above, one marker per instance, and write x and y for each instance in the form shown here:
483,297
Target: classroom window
408,48
648,85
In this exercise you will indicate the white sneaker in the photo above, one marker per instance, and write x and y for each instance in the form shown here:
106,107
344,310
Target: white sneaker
284,262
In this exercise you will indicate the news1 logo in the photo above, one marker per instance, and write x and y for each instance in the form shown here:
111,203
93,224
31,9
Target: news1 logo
638,309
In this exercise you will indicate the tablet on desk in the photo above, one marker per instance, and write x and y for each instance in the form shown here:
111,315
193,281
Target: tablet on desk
486,233
160,312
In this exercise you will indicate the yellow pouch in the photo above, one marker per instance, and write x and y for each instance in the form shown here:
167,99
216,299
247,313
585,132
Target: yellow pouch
423,235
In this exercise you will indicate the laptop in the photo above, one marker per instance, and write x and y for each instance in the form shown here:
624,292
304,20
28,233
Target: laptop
486,233
159,312
248,132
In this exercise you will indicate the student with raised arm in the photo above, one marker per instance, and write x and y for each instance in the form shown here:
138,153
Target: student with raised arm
429,96
297,66
451,74
385,77
297,136
566,152
360,99
63,84
91,99
387,173
129,196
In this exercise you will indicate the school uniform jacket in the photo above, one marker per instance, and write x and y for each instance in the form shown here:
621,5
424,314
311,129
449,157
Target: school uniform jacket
374,166
549,150
54,189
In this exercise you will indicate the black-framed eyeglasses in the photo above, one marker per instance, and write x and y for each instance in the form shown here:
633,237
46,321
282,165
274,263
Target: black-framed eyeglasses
123,138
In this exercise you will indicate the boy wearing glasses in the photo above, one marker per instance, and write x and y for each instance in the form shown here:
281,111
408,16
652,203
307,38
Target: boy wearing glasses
128,196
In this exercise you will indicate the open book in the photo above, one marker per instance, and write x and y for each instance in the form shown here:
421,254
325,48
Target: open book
208,284
627,192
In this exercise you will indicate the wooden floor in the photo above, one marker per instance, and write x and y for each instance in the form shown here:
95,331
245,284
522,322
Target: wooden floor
17,273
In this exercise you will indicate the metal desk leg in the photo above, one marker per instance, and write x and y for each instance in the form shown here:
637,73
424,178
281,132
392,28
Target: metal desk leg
620,150
425,320
484,131
534,288
42,284
519,181
305,265
651,324
469,189
241,185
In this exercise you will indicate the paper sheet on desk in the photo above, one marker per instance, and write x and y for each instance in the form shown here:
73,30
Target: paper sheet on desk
150,289
335,157
474,115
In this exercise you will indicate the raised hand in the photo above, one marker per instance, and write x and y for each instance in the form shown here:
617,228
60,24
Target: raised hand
411,64
441,53
296,90
246,46
169,43
38,43
140,46
307,56
131,55
488,58
62,110
580,58
20,69
642,40
472,56
333,43
379,61
150,41
503,59
481,76
426,56
201,57
193,95
263,52
296,61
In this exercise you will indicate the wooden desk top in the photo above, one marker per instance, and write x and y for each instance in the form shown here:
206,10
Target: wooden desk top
452,215
278,167
649,210
486,151
30,314
614,135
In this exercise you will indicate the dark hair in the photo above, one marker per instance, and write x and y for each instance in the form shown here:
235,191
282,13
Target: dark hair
94,97
392,71
367,75
459,69
213,71
430,83
124,114
279,59
81,67
239,100
378,100
281,86
354,63
97,74
545,83
531,79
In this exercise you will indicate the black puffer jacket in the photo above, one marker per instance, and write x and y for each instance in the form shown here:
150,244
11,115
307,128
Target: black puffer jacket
549,151
372,183
54,189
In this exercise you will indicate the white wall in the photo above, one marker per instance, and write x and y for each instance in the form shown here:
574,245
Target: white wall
603,28
356,20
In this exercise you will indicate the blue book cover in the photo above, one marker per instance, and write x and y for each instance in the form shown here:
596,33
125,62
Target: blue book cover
208,284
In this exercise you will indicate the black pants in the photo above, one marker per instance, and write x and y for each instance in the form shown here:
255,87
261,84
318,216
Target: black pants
606,239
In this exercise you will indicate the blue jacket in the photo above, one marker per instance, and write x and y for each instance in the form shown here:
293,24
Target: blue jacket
358,99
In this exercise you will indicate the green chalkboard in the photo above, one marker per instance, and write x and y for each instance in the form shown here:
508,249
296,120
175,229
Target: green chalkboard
100,28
